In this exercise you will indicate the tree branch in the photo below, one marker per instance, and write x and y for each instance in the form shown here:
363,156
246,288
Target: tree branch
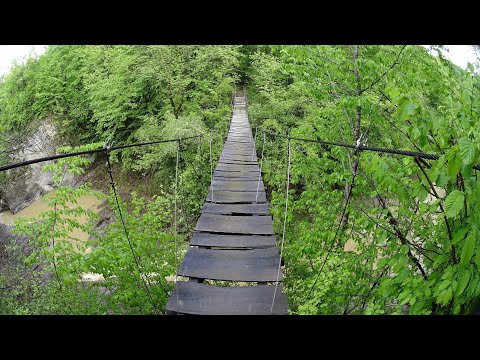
441,208
385,73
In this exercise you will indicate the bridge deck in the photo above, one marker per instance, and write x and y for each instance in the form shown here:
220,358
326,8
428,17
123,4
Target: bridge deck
233,239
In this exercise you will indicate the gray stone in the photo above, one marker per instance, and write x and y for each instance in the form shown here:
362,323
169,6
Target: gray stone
6,238
28,183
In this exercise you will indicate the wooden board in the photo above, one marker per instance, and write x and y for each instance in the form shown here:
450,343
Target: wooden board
236,162
200,299
231,197
222,178
237,186
261,225
239,155
239,142
233,241
237,145
235,209
237,174
238,167
251,157
231,265
238,150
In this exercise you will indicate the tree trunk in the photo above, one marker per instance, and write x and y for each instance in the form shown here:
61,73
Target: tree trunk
356,133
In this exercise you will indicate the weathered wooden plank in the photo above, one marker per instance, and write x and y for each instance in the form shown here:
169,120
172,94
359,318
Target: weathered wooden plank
239,155
237,186
232,197
246,168
230,143
232,264
235,209
193,298
261,225
237,174
236,162
222,178
251,156
239,142
232,148
232,241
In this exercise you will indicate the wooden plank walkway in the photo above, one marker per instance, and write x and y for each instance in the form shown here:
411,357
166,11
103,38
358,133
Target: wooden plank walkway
233,239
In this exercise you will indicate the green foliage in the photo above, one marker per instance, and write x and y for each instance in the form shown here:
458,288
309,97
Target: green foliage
128,94
409,244
454,203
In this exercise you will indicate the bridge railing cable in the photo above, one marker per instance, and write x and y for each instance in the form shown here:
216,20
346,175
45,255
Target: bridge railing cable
362,147
287,187
88,152
112,183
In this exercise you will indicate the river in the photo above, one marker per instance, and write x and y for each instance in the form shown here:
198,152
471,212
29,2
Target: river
88,202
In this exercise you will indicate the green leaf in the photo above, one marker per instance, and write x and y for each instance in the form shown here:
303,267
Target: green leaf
445,296
454,165
454,203
460,234
467,250
477,258
468,150
463,279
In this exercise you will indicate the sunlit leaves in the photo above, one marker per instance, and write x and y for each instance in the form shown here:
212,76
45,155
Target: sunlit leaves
454,203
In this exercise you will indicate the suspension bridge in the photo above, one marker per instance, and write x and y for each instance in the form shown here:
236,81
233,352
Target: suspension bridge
232,264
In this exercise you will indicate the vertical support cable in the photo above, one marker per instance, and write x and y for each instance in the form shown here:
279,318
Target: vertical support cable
211,165
53,243
112,183
261,164
255,143
175,220
284,226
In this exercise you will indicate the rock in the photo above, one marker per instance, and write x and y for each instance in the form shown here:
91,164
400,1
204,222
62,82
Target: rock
91,277
28,183
106,217
3,201
6,238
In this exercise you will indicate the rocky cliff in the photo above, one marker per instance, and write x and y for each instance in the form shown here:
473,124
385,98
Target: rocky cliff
27,184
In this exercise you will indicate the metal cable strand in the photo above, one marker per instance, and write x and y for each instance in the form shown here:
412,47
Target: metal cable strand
53,233
369,148
336,232
102,149
175,220
284,226
255,143
112,183
211,166
261,164
53,243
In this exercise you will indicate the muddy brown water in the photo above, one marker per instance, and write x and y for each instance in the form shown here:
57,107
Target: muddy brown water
88,202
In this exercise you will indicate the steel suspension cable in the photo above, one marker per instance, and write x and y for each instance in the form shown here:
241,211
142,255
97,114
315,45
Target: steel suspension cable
112,183
284,227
